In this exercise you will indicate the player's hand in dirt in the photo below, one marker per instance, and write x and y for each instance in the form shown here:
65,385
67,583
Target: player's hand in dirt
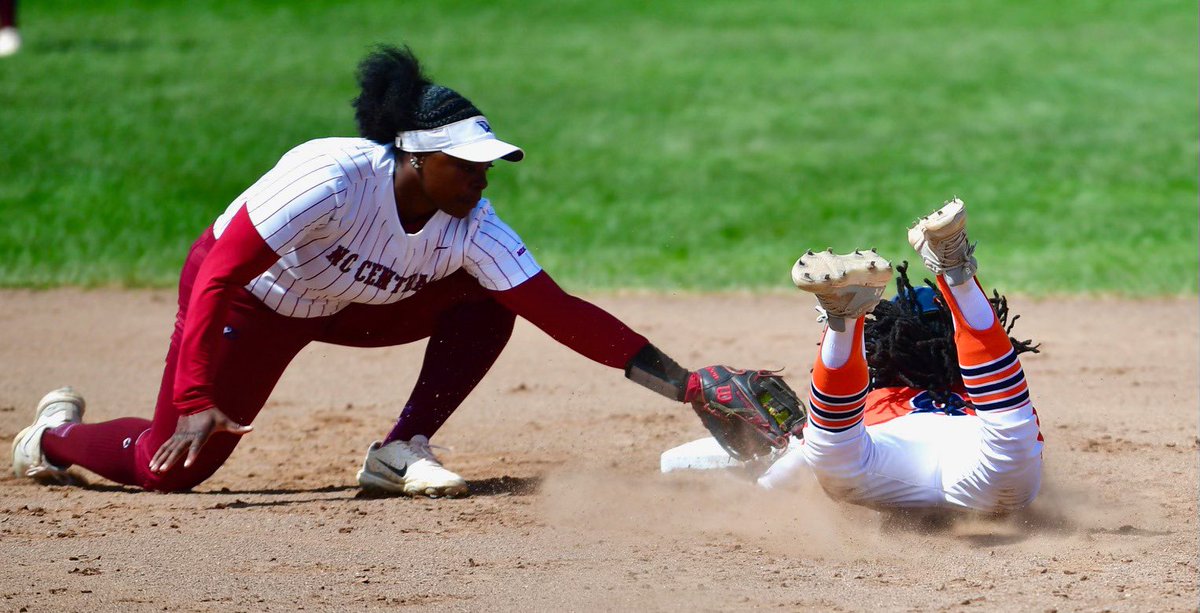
191,433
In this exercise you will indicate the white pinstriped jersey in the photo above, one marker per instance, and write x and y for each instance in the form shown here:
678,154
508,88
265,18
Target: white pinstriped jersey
328,209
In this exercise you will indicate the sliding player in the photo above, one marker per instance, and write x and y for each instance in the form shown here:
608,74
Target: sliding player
925,405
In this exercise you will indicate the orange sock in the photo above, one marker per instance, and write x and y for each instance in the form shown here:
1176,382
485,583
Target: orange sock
838,395
989,364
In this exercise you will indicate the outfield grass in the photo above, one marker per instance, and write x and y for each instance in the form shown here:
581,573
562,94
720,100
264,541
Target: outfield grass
695,145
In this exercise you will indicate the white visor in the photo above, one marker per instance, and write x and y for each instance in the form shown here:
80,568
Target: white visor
470,139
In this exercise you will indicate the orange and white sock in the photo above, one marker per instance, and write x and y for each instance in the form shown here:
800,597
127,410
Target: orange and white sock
839,380
990,368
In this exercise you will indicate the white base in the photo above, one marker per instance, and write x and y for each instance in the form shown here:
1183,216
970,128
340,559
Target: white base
700,454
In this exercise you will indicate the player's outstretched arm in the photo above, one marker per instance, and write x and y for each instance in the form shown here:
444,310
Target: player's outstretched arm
597,334
584,327
749,412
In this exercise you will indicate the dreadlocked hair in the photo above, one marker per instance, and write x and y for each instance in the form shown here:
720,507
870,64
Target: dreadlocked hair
909,346
396,96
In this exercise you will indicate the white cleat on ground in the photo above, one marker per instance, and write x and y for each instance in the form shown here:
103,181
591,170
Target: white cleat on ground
61,406
941,239
847,286
409,468
10,41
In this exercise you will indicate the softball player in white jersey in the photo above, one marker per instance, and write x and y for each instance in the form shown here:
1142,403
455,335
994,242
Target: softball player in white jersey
328,209
974,444
367,242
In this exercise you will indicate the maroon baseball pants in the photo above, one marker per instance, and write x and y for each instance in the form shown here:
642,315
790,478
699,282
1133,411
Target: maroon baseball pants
466,327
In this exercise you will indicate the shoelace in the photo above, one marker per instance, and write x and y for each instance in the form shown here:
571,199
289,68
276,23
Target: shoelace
952,253
424,450
822,314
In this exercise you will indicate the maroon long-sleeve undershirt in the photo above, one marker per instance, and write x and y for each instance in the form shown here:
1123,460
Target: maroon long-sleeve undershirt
584,327
233,260
240,254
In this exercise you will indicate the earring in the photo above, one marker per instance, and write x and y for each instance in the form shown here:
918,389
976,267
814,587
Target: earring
415,162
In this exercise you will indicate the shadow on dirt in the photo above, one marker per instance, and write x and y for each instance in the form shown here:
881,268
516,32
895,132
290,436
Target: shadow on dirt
494,486
982,530
126,489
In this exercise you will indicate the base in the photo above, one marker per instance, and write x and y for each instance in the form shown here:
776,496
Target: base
700,454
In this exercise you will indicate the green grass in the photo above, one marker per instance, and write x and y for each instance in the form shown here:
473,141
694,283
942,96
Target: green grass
693,145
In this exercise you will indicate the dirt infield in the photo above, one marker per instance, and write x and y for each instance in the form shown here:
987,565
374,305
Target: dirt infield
569,511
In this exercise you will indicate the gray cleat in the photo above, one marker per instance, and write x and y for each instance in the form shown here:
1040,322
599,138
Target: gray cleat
847,286
941,239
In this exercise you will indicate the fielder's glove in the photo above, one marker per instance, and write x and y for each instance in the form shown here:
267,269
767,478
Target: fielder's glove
749,412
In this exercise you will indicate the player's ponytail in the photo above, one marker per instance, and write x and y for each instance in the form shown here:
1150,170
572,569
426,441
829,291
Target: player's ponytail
391,83
396,96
